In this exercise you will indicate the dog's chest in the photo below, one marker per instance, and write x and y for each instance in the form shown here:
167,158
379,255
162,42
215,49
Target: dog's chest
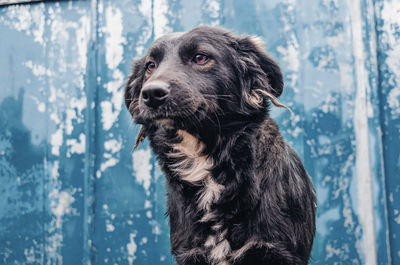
193,167
188,161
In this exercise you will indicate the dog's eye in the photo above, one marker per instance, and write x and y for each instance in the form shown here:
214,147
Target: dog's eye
200,59
150,67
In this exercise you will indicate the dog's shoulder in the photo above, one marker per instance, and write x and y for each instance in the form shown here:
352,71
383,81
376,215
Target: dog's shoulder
269,142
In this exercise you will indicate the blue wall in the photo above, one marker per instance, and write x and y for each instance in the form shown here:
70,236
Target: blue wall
71,190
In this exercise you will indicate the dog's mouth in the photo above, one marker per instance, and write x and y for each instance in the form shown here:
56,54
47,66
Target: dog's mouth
164,119
181,116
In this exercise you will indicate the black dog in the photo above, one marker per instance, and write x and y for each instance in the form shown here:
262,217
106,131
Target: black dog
237,193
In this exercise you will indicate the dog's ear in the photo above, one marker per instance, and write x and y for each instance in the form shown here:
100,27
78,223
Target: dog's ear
134,84
132,92
264,77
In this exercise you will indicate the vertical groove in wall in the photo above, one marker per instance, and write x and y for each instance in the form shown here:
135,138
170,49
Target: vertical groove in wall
363,165
381,100
47,153
90,131
372,17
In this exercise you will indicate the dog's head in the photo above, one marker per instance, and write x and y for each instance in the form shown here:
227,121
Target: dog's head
207,73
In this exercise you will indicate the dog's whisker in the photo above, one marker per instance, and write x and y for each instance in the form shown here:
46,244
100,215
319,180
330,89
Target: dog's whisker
219,97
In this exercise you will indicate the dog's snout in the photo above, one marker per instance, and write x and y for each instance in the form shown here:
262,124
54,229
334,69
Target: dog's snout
155,94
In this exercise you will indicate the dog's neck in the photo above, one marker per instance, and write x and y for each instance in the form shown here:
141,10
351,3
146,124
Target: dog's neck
191,164
208,182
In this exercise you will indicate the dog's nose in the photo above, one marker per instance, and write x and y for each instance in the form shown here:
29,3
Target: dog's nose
154,94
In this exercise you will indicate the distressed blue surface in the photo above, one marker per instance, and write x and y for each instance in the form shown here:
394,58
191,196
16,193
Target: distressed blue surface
388,32
73,193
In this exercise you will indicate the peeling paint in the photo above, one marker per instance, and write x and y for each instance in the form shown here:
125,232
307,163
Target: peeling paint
65,129
142,167
60,205
28,19
76,147
131,248
160,15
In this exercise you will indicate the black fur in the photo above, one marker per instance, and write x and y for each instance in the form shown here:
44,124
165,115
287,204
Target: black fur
264,212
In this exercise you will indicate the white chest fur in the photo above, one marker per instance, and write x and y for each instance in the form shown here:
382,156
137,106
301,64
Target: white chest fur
195,168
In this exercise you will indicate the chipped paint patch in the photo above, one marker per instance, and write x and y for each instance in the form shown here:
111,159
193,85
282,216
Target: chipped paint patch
142,167
111,147
161,20
57,141
114,41
114,37
76,147
131,248
390,29
110,162
27,19
363,163
156,229
146,11
112,108
38,69
60,205
110,217
324,58
212,9
290,49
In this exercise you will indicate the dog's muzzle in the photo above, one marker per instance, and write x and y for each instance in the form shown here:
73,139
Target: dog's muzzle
154,94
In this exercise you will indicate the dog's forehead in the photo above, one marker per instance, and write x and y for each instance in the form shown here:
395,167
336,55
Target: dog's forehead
167,40
171,37
195,35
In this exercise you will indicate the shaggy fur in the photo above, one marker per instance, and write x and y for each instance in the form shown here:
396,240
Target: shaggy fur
237,193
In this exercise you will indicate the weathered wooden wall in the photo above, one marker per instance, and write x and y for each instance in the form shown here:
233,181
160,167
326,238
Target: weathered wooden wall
71,191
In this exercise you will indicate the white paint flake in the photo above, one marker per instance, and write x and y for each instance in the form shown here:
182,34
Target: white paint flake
112,145
112,108
60,205
108,163
30,255
108,117
114,37
143,241
29,19
390,12
145,32
82,40
364,177
290,51
76,147
142,167
66,105
110,227
147,204
56,141
149,214
160,16
131,247
41,107
156,230
394,101
38,69
115,40
212,9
